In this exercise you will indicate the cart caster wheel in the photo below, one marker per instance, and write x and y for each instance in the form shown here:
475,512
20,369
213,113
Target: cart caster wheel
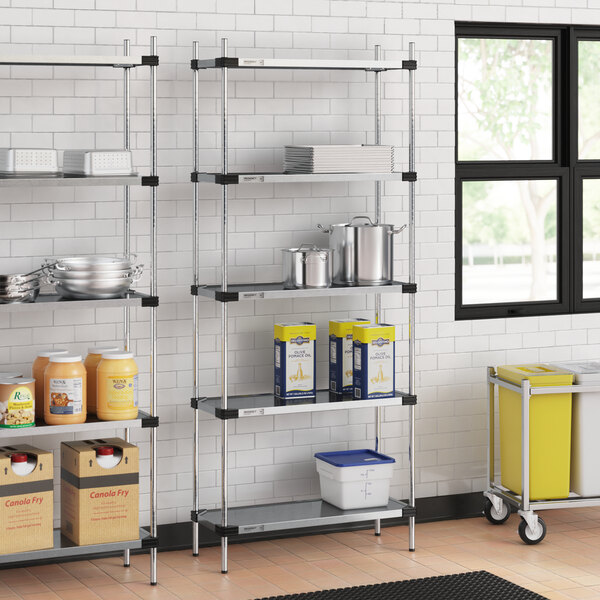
528,536
493,516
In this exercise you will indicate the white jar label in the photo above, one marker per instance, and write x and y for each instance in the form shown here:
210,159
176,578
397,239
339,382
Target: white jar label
66,396
122,392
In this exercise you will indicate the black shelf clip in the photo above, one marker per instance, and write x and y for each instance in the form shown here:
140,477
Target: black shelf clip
150,542
196,514
221,296
150,180
408,399
150,301
196,402
227,531
409,65
226,413
409,511
149,422
150,60
409,288
409,176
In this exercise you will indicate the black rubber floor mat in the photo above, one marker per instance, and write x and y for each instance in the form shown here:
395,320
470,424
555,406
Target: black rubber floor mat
477,585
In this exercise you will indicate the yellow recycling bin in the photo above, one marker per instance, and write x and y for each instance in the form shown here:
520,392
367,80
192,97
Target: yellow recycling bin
549,432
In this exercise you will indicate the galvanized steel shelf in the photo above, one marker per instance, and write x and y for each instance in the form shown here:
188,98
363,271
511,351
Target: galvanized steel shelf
237,178
308,63
274,291
64,548
61,180
258,405
314,513
55,302
296,515
92,424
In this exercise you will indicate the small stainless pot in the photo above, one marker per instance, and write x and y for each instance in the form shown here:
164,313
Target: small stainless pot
307,267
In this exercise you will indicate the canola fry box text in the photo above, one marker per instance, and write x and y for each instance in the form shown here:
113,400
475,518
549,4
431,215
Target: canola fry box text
295,360
340,354
99,505
374,362
26,502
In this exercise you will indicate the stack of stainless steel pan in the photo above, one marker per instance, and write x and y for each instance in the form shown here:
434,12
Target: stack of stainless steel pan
19,287
93,277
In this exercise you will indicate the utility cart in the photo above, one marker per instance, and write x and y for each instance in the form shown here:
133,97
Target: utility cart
498,499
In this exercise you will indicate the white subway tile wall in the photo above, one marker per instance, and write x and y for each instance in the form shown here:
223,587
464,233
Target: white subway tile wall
271,458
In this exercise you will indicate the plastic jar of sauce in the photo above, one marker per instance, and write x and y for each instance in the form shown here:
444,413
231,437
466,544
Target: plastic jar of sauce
91,363
37,372
117,387
65,383
17,403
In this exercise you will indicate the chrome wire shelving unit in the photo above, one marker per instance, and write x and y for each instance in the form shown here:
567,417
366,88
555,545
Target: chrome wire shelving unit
233,521
64,548
498,499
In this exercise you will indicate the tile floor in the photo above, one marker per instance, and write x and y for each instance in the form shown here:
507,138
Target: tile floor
565,565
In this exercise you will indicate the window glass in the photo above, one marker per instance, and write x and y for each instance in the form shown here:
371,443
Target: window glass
588,95
591,238
504,99
509,241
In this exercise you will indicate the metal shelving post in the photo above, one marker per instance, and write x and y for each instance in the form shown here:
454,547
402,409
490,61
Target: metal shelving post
227,521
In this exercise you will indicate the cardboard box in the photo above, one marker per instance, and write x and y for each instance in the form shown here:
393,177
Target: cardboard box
340,354
374,361
295,360
26,511
99,505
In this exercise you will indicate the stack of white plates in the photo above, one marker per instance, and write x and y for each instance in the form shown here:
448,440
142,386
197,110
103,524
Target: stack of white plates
342,158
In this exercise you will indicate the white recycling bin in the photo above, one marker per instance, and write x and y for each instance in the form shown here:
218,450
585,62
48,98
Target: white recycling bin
585,438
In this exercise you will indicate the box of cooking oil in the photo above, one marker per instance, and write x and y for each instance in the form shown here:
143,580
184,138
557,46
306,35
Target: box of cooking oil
295,360
374,363
340,354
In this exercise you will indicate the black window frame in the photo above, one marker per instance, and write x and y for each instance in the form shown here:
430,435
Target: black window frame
565,167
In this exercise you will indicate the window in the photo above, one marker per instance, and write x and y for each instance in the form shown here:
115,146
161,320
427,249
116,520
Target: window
527,170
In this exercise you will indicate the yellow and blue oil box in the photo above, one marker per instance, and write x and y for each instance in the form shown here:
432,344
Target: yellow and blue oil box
374,361
340,354
295,360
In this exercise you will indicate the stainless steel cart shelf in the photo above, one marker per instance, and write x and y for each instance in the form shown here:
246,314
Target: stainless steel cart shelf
60,180
259,405
290,63
63,548
68,60
229,521
274,291
296,515
55,302
237,178
92,424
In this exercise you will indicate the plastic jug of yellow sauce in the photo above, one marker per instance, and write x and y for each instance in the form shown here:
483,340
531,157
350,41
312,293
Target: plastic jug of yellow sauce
91,364
37,372
117,387
65,393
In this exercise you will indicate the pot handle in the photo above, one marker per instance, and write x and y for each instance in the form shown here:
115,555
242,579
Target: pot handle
396,229
136,272
323,229
308,247
361,217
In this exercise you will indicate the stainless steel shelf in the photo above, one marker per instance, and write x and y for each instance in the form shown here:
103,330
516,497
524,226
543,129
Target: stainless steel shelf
53,301
296,515
289,63
64,548
258,405
92,424
275,291
71,61
237,178
46,180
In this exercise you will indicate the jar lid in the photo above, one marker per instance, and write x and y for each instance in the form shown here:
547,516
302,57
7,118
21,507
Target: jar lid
19,457
51,352
102,349
9,375
16,381
65,358
117,355
105,450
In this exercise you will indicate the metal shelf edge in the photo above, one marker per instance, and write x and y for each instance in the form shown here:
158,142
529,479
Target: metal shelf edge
52,302
83,60
69,181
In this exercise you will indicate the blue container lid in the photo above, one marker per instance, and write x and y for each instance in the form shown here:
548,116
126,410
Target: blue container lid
354,458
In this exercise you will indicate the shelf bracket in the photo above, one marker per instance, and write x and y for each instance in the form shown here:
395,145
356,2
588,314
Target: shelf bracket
226,413
221,296
409,65
409,288
408,399
150,180
150,542
409,176
409,511
150,60
227,531
196,514
150,301
196,402
150,422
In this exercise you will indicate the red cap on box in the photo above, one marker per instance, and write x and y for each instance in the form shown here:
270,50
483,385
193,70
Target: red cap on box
105,450
18,458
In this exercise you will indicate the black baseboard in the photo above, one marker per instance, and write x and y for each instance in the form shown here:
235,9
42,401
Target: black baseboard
178,536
